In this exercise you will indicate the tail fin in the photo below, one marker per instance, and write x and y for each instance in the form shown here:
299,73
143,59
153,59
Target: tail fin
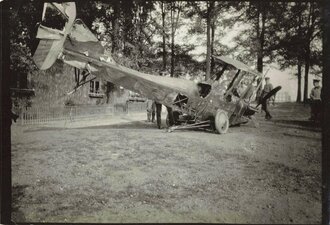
58,20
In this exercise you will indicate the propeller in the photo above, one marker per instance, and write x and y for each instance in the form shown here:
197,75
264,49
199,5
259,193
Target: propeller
269,95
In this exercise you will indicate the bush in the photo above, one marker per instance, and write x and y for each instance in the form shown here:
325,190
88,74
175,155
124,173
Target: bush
69,102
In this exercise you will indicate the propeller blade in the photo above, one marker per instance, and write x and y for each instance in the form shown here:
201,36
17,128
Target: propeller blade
269,95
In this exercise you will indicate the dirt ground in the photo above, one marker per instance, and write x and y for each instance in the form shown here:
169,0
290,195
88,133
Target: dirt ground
123,169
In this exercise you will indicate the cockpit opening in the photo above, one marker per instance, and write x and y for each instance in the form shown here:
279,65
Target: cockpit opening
203,89
180,100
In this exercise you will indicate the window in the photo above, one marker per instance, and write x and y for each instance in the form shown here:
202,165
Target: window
95,89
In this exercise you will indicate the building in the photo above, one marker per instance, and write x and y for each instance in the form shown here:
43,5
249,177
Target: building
51,88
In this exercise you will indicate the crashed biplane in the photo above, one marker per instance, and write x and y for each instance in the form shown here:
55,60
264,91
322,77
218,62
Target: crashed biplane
220,102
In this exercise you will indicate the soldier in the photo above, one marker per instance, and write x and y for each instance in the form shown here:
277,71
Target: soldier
315,97
151,107
159,110
264,105
14,116
158,114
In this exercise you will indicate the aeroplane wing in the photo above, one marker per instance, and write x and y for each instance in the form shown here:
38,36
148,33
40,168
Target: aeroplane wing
77,46
237,64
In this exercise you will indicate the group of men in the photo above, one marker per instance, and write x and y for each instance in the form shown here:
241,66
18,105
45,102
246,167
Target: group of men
153,108
315,100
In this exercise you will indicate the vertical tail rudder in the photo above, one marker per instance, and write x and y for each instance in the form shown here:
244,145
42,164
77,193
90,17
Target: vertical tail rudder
58,20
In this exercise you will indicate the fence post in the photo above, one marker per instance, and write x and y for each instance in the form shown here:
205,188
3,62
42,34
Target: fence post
21,116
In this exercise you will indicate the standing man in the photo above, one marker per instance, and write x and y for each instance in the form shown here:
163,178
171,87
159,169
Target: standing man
151,107
159,114
159,110
315,100
264,104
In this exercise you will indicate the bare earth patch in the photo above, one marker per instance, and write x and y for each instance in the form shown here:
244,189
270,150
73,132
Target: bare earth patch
133,172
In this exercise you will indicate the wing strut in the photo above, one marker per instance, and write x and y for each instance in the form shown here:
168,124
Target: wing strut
82,81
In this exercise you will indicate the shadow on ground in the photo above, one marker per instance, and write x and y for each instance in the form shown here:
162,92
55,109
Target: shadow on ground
136,125
300,124
129,125
18,193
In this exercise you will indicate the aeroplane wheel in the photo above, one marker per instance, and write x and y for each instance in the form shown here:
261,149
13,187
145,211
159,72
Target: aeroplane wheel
221,122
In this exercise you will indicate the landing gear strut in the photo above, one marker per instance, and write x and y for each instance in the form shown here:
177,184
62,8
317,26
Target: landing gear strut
82,81
203,124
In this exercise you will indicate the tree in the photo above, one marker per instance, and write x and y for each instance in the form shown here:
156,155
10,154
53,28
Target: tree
175,7
312,31
163,34
21,35
299,42
290,51
209,12
209,21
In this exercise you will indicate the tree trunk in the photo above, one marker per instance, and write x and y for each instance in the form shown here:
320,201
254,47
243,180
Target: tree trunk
310,31
164,37
261,36
212,45
299,83
299,56
172,40
307,64
128,10
115,25
208,40
259,48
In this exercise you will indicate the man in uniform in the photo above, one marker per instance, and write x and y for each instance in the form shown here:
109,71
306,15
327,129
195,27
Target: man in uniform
315,97
159,110
151,108
14,116
158,114
264,105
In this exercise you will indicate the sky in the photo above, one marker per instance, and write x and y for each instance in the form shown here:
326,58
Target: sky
286,79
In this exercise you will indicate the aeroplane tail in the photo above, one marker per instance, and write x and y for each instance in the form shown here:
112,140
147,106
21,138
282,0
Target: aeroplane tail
57,22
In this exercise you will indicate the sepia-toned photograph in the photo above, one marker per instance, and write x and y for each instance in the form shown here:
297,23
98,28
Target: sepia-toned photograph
133,111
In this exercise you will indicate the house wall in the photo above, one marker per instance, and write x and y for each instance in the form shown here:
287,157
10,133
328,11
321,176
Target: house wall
52,85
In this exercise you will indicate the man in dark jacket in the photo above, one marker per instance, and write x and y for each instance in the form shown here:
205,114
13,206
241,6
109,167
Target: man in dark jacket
159,110
264,105
151,108
315,97
159,115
